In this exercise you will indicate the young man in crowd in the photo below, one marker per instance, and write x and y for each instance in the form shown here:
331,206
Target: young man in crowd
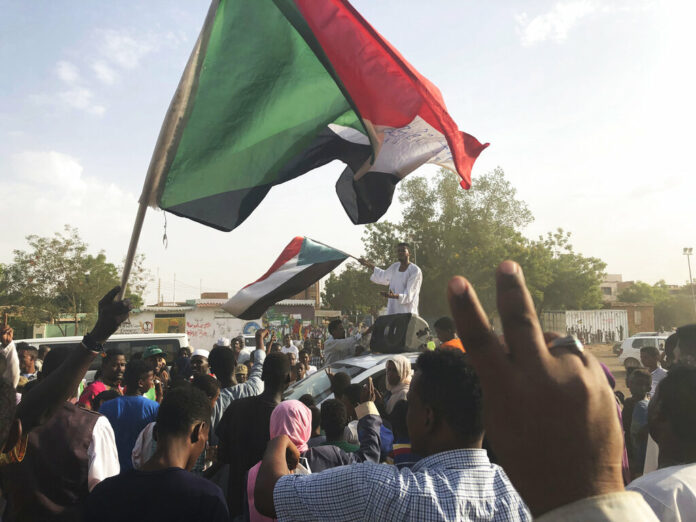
288,346
224,367
304,361
129,414
9,351
164,489
650,358
454,479
158,359
27,355
241,372
112,368
199,362
640,387
334,419
244,428
445,331
338,346
671,490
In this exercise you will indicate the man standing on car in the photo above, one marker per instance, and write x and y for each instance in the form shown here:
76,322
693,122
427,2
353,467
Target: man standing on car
404,280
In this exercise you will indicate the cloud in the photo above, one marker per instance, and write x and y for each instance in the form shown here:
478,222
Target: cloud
76,95
81,98
49,189
67,72
104,72
555,24
124,50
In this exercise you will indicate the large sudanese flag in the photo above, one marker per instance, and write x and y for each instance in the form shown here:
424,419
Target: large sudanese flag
276,88
302,263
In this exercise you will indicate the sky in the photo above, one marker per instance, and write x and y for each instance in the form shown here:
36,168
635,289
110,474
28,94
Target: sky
589,107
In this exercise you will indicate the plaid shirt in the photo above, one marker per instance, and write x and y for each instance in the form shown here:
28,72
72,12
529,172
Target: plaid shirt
452,485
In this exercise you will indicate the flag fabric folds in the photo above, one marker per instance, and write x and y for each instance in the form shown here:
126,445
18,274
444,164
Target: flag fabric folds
276,88
301,264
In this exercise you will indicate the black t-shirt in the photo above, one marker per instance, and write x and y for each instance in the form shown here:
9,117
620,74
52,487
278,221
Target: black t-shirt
243,433
167,495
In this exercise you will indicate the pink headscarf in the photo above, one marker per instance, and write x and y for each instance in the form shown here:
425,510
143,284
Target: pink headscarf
294,419
291,418
399,391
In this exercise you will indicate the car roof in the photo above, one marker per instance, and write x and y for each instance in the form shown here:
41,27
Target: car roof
369,360
116,337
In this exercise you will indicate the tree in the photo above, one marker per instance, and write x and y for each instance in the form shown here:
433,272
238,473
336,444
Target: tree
453,231
671,309
57,276
351,291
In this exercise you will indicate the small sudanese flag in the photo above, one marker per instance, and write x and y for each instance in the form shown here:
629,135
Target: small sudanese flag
301,264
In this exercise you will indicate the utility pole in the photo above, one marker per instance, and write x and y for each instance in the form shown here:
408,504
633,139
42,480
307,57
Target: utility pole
688,252
200,288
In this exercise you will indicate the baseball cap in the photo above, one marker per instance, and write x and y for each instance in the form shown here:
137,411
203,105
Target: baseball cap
241,368
153,350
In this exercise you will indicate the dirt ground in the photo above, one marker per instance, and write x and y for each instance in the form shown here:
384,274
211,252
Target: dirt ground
604,354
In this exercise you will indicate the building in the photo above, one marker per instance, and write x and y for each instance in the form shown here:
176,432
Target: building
312,292
641,316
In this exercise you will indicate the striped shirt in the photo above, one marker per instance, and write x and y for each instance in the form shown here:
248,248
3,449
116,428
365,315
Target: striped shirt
452,485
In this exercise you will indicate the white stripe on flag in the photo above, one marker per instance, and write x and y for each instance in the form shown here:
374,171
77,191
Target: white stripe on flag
246,297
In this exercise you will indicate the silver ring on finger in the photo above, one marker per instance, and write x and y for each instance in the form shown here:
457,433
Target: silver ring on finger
569,342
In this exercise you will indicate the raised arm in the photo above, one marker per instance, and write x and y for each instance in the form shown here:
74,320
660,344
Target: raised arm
46,397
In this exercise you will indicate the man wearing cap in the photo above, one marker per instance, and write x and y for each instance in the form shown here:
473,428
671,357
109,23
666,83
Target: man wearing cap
157,358
223,341
199,362
240,373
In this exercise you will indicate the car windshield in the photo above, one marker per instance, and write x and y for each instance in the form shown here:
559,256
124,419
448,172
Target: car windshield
318,384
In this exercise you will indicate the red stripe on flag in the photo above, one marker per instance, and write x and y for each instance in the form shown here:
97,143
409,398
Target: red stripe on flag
386,89
286,255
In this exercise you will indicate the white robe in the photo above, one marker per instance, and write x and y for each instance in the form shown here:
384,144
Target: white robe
406,284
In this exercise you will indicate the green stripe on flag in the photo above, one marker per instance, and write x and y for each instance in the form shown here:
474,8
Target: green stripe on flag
313,252
262,97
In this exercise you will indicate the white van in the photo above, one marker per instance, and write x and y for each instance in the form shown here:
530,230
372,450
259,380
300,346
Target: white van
129,344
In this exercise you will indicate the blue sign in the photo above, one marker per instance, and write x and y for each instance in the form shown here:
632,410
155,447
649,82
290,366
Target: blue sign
250,328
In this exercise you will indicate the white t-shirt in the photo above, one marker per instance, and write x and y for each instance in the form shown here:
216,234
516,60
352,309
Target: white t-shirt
102,454
290,349
406,284
670,492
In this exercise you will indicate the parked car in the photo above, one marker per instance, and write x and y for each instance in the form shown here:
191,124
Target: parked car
629,355
359,368
129,344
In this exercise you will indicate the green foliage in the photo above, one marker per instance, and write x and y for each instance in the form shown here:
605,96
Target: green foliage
57,276
453,231
672,308
352,291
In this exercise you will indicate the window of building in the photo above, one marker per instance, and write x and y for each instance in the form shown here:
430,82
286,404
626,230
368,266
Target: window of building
170,323
637,317
606,290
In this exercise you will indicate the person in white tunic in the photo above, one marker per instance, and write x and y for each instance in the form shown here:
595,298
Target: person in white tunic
404,280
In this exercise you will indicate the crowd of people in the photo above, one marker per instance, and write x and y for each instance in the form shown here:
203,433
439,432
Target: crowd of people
509,425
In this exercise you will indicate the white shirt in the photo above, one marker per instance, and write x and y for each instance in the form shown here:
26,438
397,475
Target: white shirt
337,349
311,370
406,284
102,456
670,492
290,349
11,374
657,374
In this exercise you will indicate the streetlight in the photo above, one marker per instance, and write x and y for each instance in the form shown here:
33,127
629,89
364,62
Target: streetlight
688,252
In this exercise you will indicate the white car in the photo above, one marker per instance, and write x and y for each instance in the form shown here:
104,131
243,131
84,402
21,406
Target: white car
359,368
629,355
